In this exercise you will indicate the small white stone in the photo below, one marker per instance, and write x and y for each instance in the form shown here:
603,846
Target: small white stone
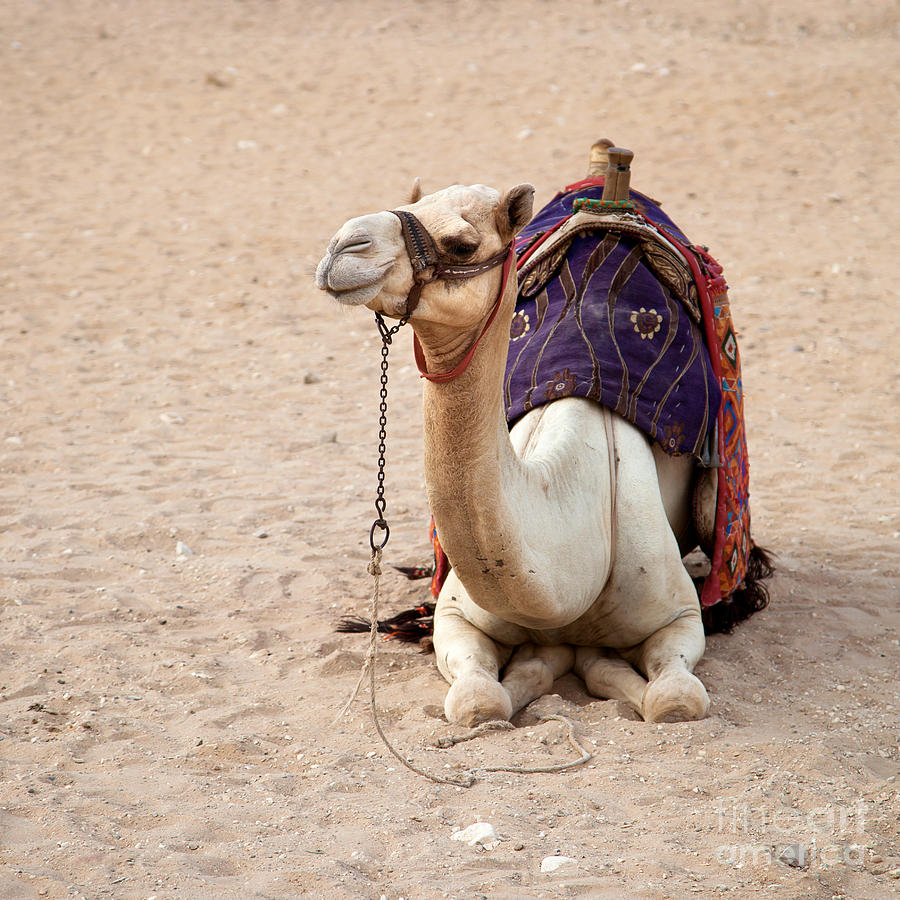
182,549
481,834
795,855
552,863
171,418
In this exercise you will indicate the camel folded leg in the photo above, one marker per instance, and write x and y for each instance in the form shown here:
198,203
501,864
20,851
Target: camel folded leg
609,676
532,671
471,663
667,658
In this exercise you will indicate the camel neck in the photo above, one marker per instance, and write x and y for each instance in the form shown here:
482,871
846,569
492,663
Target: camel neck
495,509
473,472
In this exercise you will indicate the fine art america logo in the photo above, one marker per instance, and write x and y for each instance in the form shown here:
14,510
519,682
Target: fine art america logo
826,835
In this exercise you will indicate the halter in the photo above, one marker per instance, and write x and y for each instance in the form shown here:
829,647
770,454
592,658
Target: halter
429,264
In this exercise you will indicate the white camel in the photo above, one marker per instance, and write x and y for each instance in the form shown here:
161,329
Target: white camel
566,533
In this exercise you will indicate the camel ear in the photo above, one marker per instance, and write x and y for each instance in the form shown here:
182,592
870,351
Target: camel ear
416,193
515,210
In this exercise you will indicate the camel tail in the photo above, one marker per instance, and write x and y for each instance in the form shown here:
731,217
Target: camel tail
749,598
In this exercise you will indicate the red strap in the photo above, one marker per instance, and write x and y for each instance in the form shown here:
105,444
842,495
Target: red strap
456,371
598,181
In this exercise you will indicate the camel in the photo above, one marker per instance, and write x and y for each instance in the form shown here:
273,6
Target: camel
565,533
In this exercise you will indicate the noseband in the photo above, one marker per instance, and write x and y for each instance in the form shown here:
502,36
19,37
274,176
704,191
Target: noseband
429,264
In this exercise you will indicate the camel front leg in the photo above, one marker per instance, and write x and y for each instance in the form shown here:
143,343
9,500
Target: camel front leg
471,663
609,676
532,671
668,657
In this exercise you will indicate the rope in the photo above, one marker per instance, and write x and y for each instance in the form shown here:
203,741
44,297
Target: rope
465,779
374,568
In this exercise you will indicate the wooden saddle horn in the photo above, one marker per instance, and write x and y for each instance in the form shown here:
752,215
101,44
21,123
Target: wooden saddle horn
614,163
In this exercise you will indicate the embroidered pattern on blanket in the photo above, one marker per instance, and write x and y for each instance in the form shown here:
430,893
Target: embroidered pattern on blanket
731,551
595,321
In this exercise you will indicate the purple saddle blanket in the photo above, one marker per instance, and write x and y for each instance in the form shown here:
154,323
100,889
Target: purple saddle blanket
595,320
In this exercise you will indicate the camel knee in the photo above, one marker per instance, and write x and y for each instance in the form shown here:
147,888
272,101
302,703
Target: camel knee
667,658
471,662
475,698
680,645
675,696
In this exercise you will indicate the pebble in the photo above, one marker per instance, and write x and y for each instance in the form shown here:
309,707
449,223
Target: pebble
482,835
262,533
171,418
794,855
182,549
552,863
220,79
311,378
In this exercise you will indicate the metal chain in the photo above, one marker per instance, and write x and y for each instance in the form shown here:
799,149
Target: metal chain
387,336
464,779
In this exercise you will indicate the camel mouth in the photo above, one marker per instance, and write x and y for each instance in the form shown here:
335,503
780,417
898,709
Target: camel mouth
351,285
344,279
355,296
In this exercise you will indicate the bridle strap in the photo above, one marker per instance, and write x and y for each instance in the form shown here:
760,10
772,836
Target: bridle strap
420,246
429,264
509,256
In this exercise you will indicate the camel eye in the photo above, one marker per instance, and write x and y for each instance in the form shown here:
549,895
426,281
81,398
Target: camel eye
458,247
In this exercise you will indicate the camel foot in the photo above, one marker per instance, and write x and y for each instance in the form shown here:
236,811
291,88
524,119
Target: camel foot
475,698
675,696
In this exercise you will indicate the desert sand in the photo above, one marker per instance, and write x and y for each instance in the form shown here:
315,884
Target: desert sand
187,450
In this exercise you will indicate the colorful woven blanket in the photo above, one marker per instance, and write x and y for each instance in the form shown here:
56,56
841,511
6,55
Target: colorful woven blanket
615,304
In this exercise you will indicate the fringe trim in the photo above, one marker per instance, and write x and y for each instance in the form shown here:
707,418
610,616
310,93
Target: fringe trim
749,598
409,626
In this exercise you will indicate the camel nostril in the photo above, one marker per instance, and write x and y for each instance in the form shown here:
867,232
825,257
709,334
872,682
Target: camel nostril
354,243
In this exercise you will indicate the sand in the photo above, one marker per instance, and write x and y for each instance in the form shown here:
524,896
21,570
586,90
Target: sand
187,460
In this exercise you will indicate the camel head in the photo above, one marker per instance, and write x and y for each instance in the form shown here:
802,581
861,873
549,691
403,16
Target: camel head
367,262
